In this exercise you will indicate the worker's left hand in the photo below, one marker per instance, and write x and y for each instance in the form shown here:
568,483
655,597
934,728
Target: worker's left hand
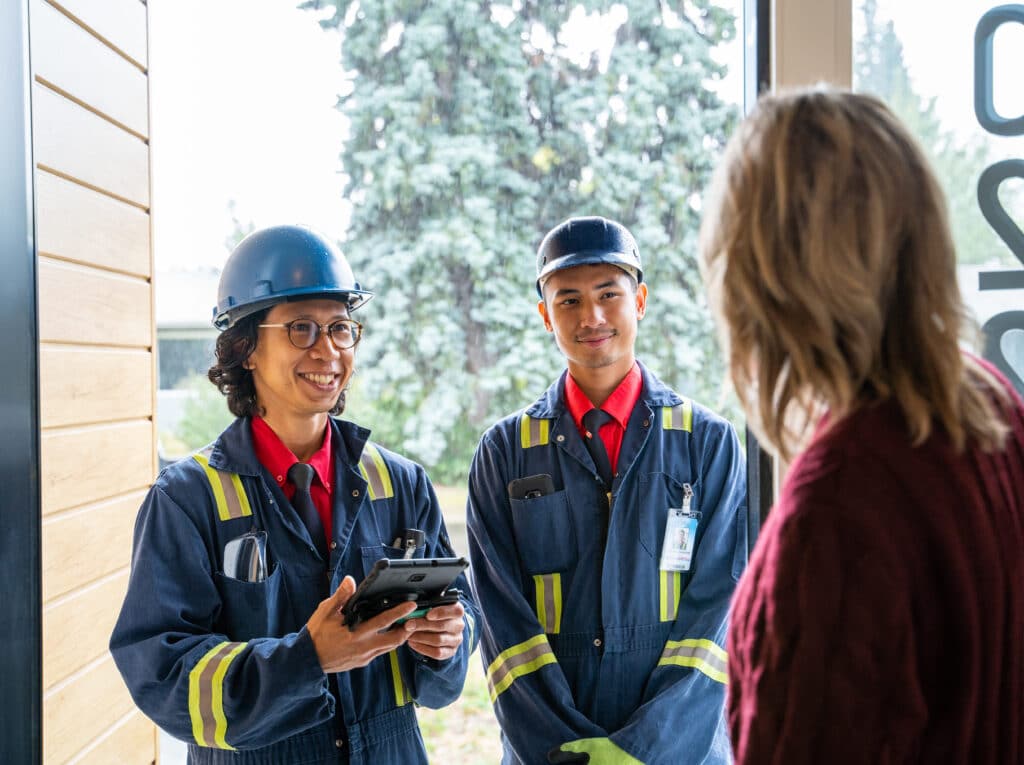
438,633
595,751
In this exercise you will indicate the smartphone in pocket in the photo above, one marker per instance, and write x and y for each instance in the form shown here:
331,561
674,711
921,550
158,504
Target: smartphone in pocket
531,487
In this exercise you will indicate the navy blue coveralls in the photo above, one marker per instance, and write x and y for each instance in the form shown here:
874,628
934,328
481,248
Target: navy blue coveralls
229,666
584,636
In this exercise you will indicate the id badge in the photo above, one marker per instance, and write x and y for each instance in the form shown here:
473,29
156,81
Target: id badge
680,535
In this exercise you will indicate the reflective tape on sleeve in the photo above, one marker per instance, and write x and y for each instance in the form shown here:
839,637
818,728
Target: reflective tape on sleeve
532,431
376,474
668,594
549,602
517,661
206,695
402,695
678,417
228,493
699,653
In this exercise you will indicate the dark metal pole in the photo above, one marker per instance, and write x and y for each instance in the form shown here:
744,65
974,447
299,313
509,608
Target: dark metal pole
757,74
20,570
757,79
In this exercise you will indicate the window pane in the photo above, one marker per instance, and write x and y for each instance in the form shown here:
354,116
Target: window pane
438,142
920,60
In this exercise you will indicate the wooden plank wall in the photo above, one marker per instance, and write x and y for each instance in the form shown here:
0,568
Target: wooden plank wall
90,116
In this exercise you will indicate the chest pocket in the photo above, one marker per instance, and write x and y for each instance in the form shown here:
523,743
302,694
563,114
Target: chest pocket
378,487
543,526
248,609
544,532
658,493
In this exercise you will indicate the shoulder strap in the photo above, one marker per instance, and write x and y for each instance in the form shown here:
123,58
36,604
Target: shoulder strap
375,473
228,492
533,431
678,417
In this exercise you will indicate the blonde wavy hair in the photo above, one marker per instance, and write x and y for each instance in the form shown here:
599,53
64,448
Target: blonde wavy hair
830,268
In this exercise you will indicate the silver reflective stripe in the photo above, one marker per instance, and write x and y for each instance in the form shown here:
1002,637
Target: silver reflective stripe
701,654
519,660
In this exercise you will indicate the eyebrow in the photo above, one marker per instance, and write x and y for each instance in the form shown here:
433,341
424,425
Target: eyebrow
309,317
595,288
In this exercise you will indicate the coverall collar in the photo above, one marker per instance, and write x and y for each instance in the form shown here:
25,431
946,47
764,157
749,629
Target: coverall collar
551,405
233,450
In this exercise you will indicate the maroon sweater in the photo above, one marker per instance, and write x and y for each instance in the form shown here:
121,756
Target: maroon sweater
881,618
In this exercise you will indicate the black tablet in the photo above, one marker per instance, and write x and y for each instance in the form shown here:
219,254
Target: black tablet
427,581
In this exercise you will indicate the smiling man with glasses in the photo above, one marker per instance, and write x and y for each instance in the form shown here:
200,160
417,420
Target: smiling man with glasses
231,634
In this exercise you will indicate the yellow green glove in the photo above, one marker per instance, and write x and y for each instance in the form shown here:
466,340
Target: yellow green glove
595,751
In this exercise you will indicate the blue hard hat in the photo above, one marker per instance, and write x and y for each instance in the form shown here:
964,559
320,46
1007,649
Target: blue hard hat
586,241
281,263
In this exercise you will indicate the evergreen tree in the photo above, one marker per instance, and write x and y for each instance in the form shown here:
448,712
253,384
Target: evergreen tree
880,69
474,128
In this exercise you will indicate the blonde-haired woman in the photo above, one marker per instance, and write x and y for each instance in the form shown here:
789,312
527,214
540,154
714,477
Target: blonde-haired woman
881,619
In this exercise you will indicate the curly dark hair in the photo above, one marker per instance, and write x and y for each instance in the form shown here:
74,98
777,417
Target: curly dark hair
234,346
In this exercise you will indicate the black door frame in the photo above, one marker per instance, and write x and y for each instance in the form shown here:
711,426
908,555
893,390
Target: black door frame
757,80
21,663
20,513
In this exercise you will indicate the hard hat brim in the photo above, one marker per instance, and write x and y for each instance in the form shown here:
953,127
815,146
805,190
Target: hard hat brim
226,316
627,262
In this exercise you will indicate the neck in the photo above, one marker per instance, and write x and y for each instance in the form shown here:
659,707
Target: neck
302,436
599,382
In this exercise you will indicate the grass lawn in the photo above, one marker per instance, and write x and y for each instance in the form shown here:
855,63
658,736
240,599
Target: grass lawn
464,732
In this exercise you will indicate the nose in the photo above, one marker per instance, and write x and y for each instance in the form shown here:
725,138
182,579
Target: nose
324,346
593,315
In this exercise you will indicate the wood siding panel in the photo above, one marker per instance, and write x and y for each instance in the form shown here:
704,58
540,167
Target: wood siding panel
75,142
82,385
70,59
132,741
84,465
79,711
76,629
79,224
78,304
88,543
90,122
121,23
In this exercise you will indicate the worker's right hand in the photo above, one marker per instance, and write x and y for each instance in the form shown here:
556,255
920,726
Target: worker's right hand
341,649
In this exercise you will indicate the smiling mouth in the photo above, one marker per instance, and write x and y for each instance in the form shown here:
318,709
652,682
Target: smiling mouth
319,379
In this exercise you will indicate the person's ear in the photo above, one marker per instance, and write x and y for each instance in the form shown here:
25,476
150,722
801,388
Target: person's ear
641,300
542,309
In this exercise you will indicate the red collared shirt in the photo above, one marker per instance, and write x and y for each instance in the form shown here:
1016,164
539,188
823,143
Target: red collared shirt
619,405
278,458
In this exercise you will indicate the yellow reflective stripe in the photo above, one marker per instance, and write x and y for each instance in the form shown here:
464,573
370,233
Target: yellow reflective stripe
668,596
206,695
549,601
532,431
228,492
701,654
402,696
519,660
376,474
679,417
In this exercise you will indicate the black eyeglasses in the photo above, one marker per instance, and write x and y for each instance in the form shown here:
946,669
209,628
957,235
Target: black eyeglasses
303,333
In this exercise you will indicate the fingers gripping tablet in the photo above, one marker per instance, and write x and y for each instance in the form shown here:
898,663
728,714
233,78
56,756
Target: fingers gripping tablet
428,582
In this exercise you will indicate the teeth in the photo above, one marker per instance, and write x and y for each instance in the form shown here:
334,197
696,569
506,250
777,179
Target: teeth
319,379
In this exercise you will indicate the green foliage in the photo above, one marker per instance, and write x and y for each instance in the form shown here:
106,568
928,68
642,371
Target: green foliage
880,69
205,414
474,128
